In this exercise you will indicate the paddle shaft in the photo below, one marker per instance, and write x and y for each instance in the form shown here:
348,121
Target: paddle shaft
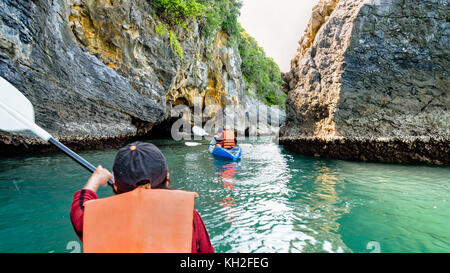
198,144
83,162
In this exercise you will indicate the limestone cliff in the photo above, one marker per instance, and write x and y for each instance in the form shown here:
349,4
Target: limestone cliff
96,70
370,82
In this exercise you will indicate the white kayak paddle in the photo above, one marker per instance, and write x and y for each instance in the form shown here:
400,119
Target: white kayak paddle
194,144
17,115
199,131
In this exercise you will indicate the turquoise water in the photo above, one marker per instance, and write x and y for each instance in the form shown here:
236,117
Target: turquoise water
270,201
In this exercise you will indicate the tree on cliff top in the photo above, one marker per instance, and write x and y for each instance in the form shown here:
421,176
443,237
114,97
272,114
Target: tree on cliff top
178,12
222,14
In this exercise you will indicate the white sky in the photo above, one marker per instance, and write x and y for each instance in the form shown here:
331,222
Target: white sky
277,25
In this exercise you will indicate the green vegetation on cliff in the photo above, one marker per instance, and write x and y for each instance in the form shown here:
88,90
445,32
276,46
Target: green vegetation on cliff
260,72
173,39
178,12
222,14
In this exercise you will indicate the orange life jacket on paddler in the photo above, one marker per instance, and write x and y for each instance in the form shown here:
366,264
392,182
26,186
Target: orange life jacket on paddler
229,141
140,221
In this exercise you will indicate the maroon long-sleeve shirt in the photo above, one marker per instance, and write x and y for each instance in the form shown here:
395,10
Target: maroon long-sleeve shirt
200,237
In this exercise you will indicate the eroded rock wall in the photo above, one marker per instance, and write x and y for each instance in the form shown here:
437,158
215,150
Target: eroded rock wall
95,70
74,93
373,84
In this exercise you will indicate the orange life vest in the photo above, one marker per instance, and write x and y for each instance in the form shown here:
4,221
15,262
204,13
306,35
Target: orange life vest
140,221
228,139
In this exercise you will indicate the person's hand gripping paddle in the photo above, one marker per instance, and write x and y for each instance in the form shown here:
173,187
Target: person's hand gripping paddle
17,115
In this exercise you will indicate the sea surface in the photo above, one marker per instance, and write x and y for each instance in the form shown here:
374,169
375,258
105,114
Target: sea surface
270,201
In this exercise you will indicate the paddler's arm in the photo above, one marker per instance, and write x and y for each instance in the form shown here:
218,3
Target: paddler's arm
200,237
98,179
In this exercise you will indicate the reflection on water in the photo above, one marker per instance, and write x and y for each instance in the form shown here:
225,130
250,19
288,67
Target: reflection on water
225,173
318,211
270,201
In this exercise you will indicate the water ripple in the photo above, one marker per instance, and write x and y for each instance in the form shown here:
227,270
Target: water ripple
270,201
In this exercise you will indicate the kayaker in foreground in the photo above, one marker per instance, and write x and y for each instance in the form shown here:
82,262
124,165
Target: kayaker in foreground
226,139
137,165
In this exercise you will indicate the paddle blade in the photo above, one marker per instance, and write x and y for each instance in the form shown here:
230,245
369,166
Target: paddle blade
199,131
192,144
14,99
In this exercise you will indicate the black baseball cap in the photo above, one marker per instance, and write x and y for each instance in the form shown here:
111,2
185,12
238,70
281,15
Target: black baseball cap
139,163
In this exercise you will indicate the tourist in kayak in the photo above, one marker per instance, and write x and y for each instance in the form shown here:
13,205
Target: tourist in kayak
226,139
137,165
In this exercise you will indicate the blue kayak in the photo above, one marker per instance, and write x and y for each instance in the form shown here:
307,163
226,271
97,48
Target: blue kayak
233,154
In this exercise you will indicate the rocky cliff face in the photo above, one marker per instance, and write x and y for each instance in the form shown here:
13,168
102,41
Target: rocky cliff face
96,70
370,82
